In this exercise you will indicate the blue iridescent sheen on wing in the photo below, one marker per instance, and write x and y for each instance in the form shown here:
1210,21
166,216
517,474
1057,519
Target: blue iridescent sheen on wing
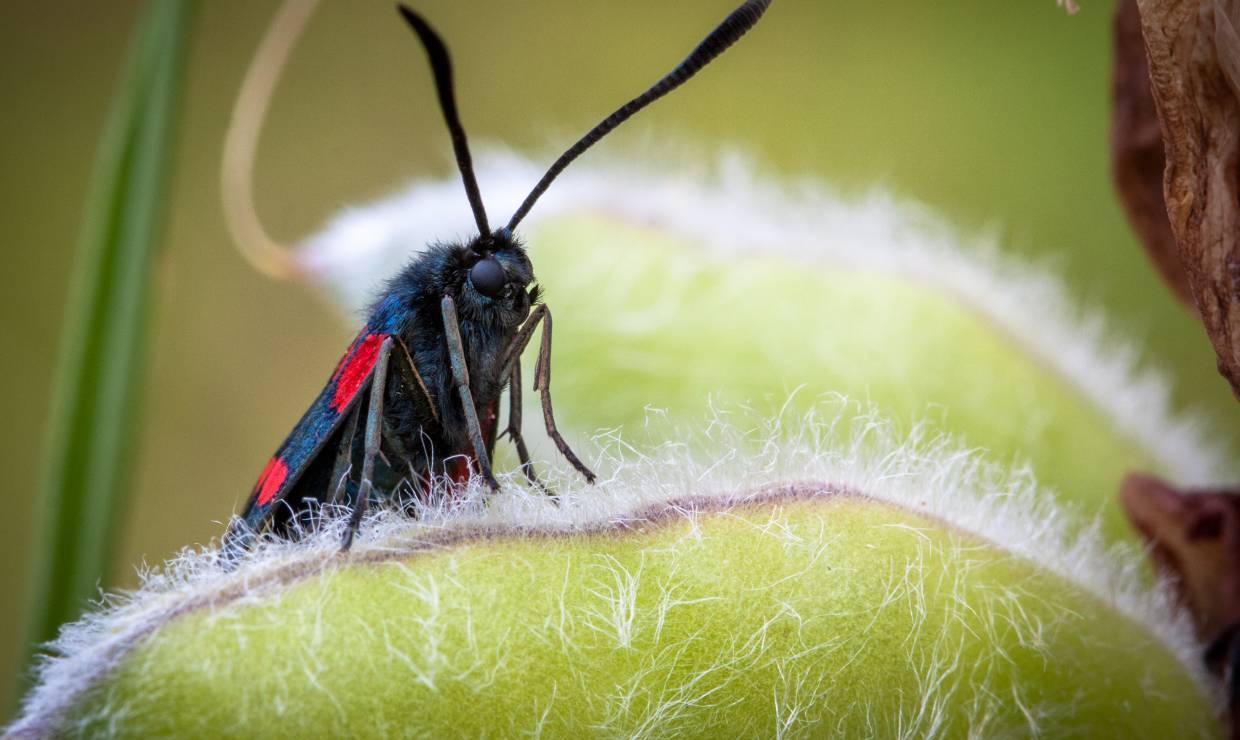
343,390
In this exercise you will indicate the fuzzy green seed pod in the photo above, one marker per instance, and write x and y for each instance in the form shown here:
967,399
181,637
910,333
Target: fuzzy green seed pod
672,288
901,589
832,568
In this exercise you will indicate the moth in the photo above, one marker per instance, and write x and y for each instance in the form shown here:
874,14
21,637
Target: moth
417,393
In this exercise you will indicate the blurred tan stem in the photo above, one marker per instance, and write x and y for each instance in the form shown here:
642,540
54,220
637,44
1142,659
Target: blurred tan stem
263,252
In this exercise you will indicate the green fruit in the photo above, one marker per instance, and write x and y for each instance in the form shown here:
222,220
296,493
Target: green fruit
646,319
800,613
703,587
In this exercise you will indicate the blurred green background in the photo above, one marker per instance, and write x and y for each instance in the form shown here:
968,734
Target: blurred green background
995,113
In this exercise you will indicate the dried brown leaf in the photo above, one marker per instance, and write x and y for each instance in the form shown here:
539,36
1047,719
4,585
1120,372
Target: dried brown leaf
1137,161
1193,48
1194,539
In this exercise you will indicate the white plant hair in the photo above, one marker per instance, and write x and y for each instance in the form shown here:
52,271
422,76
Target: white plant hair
736,458
733,210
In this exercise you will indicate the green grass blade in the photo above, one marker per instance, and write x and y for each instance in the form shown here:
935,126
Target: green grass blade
102,347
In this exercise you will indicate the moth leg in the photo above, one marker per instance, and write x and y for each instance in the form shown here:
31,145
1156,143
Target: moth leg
374,426
511,364
409,372
512,354
344,457
514,429
542,383
460,377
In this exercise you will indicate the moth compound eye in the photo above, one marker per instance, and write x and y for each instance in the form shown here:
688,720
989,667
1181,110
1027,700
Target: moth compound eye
488,277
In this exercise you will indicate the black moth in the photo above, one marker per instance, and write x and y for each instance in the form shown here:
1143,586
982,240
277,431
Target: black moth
417,394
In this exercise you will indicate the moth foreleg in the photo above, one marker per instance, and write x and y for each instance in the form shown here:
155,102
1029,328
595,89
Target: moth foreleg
542,384
410,376
514,428
374,432
460,378
512,354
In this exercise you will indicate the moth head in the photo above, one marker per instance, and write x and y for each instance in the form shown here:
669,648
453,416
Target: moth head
497,275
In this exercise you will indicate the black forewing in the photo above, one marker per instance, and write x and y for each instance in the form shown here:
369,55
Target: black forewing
321,423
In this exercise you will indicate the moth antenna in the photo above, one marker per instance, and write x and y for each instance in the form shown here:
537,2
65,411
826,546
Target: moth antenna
727,33
258,248
441,65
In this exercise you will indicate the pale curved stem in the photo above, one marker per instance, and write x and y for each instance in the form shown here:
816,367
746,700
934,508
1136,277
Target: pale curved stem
258,248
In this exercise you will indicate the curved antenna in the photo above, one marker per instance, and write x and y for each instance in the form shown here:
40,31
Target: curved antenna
727,33
441,65
263,253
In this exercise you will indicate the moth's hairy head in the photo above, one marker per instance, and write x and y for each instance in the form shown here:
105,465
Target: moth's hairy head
493,278
489,279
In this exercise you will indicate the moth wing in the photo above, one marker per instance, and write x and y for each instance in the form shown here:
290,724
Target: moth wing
325,416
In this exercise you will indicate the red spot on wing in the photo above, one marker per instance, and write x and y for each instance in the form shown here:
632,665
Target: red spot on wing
352,371
340,365
270,481
348,354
